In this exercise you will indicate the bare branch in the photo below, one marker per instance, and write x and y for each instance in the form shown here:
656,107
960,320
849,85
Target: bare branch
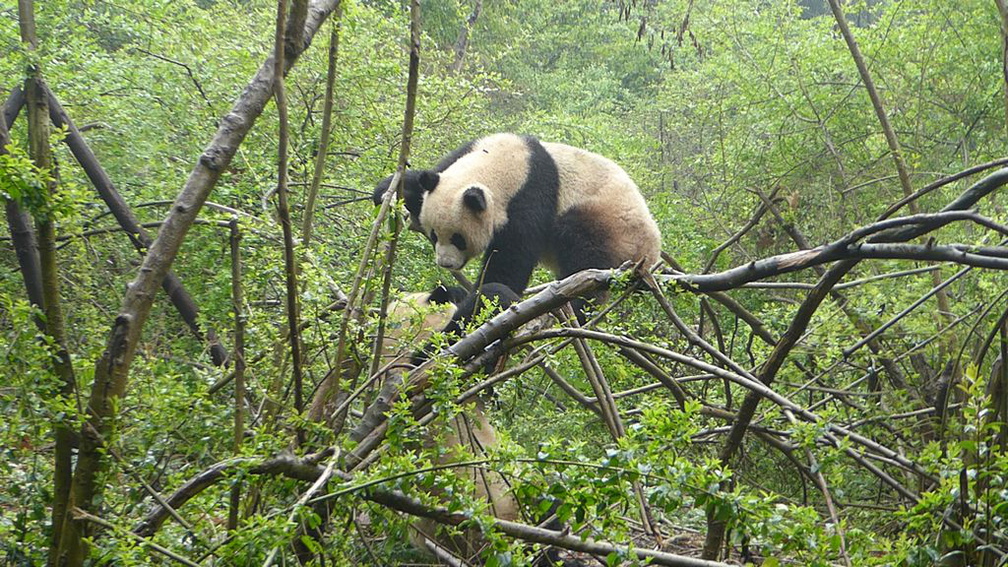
112,369
323,146
847,248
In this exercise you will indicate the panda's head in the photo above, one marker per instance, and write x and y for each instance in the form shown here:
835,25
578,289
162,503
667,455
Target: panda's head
414,317
458,216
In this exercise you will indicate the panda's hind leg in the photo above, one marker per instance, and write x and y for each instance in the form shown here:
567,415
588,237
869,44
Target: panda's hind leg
582,240
475,304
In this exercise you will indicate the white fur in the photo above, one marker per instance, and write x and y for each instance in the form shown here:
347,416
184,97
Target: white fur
498,164
410,323
593,182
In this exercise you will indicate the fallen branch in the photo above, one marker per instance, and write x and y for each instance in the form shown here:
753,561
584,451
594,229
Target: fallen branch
847,248
308,470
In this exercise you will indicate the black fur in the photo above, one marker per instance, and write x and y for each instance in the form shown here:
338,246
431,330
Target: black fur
468,307
585,245
415,184
443,295
475,303
517,247
584,242
419,181
474,199
459,241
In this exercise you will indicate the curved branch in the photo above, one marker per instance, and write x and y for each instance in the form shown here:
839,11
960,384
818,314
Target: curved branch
891,230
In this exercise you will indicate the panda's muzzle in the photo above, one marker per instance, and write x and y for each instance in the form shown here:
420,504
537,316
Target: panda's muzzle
448,256
449,263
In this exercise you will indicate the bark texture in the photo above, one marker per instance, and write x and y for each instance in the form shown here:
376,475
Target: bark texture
112,369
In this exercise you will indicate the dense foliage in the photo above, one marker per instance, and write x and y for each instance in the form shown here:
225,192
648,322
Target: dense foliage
721,111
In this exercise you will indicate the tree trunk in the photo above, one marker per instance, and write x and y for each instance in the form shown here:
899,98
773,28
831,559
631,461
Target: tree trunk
462,43
41,155
112,369
178,295
283,211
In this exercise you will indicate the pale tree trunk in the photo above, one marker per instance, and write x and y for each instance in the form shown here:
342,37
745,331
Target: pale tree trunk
41,155
112,369
462,43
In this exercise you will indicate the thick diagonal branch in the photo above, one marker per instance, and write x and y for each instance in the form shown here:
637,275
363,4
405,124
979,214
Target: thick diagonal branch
18,221
112,369
177,293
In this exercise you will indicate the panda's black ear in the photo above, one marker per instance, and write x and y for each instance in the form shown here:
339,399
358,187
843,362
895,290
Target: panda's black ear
380,190
428,179
443,295
474,199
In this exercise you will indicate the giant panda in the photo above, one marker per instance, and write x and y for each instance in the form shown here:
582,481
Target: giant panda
412,318
415,316
520,202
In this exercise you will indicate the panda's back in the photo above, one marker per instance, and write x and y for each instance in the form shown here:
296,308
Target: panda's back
500,161
594,187
587,176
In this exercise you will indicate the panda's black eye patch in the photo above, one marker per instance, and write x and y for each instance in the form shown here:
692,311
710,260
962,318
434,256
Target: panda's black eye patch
433,237
458,241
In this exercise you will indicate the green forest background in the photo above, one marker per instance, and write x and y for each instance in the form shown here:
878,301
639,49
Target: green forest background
749,130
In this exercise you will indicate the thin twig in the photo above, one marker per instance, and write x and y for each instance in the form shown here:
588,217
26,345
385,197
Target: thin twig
323,147
79,514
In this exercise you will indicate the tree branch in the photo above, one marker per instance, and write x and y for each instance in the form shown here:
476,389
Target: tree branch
112,369
120,209
323,147
18,221
891,230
